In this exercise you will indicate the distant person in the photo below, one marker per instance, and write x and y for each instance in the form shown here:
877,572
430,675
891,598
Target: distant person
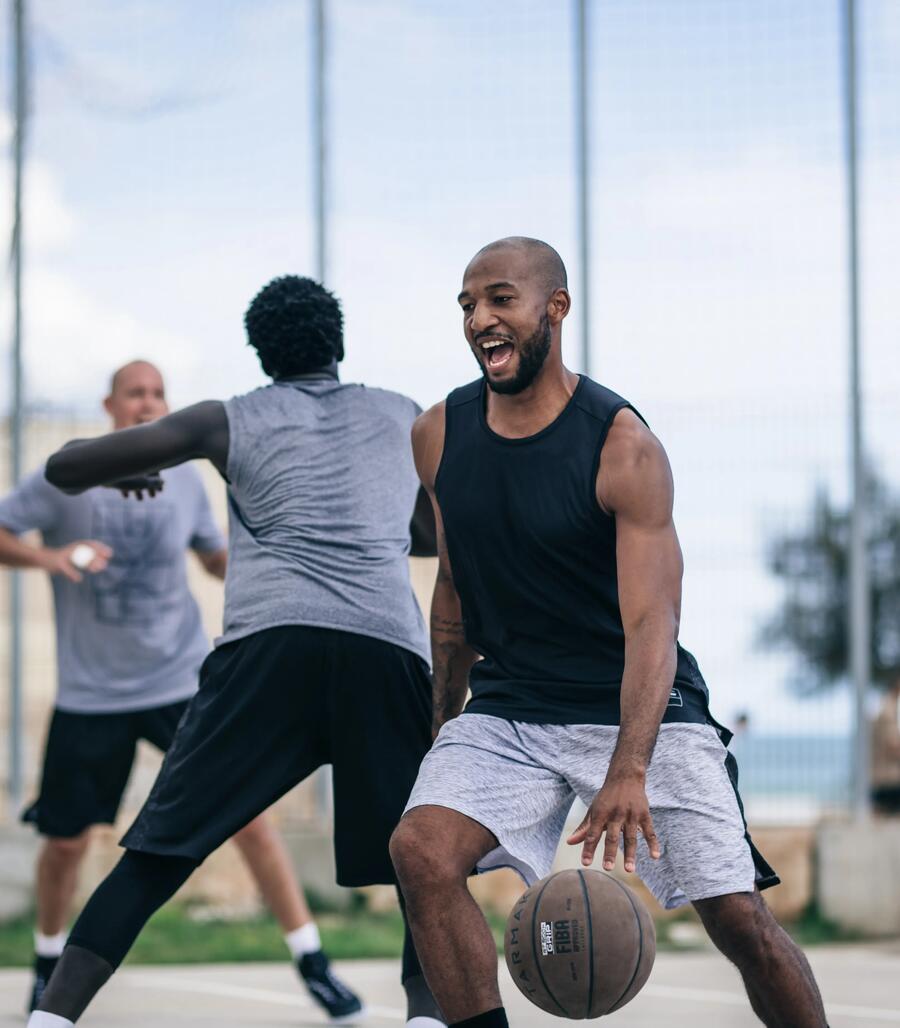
324,653
740,732
886,753
129,645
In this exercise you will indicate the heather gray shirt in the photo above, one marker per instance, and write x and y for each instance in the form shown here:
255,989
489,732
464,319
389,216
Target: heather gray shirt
130,637
322,488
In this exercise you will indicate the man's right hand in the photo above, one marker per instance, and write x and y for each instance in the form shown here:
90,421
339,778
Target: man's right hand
59,561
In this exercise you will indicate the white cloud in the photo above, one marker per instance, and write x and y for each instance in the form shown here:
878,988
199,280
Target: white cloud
74,342
49,223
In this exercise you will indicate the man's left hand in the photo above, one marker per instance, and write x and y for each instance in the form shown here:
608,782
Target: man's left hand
620,809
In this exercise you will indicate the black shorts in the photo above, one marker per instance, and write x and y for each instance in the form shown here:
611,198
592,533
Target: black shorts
87,764
273,707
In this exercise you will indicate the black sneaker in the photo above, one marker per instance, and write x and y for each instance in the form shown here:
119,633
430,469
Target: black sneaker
341,1005
43,968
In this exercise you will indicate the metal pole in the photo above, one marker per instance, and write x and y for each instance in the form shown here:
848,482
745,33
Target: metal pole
859,615
323,785
582,174
15,598
320,152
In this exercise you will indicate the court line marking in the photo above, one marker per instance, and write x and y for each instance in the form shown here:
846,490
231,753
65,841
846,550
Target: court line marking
284,999
677,992
736,999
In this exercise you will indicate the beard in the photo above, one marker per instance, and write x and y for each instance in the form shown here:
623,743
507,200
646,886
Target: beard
532,354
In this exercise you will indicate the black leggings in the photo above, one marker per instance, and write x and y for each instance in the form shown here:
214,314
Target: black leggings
126,900
136,888
120,907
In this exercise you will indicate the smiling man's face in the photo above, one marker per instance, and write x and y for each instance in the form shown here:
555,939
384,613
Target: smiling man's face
504,303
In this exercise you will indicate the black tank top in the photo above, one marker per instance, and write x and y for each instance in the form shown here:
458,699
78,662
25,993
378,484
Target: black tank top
534,563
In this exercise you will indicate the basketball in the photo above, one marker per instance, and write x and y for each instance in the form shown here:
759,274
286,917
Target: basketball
580,944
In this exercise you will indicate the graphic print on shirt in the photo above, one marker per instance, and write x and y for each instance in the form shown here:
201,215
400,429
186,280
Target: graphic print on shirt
142,575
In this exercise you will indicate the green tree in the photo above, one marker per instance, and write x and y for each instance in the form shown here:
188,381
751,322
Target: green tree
813,566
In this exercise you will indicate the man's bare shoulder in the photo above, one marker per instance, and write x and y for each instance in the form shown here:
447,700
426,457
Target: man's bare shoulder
428,442
429,425
630,443
633,466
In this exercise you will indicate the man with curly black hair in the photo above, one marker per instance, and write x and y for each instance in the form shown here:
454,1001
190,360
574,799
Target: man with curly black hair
324,655
296,327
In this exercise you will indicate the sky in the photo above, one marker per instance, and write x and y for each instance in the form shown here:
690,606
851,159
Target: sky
169,176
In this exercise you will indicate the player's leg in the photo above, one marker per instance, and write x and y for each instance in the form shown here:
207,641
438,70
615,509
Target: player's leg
87,761
56,880
58,864
380,729
434,851
709,860
247,737
268,861
106,929
483,800
422,1010
270,864
777,975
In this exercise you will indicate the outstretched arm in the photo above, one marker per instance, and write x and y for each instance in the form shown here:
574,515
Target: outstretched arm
197,431
635,484
452,657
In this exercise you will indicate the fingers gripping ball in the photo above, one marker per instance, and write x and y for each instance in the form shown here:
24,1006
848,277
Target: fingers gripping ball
580,944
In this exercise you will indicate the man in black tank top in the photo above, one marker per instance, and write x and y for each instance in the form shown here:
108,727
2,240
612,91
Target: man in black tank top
561,570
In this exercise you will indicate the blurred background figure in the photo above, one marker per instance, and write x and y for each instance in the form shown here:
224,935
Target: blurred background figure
886,752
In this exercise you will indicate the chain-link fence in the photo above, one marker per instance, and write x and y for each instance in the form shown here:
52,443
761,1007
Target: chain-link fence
171,169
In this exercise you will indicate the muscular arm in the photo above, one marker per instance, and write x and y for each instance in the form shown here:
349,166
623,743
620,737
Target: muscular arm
635,485
198,431
452,657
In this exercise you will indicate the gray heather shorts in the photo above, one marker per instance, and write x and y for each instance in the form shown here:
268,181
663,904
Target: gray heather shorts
520,780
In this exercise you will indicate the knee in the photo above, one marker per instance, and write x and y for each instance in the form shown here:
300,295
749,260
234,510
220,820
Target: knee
744,929
420,862
67,851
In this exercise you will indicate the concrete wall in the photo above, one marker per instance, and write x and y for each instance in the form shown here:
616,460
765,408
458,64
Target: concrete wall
858,875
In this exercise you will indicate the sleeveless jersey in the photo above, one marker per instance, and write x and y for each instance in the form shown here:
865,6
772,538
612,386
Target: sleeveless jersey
533,557
321,491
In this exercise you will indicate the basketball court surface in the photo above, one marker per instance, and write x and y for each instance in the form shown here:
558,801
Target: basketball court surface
686,990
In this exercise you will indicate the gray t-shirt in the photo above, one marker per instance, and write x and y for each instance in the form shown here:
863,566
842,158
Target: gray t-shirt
129,637
322,490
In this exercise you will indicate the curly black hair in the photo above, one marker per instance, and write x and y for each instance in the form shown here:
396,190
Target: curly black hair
295,325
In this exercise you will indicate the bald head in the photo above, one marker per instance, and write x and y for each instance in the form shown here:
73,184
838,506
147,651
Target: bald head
130,370
137,394
543,262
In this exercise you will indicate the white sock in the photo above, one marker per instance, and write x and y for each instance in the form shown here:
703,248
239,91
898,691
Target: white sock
39,1019
49,945
425,1022
303,940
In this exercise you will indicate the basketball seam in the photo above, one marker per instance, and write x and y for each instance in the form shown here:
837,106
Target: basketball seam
537,962
640,952
590,941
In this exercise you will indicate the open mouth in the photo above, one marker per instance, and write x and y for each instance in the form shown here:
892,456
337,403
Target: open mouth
497,352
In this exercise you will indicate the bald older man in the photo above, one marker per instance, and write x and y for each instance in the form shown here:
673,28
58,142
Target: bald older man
129,647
